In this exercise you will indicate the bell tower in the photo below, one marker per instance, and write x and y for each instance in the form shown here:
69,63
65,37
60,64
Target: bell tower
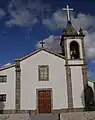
72,45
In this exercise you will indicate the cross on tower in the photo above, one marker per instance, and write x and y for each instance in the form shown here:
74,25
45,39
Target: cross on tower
68,12
42,43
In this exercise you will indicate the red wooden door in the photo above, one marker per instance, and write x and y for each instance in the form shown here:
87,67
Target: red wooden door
44,101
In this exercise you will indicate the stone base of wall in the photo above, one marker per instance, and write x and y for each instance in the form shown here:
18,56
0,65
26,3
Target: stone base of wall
14,117
28,117
62,116
78,116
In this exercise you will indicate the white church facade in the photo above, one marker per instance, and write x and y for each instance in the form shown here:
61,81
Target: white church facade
45,81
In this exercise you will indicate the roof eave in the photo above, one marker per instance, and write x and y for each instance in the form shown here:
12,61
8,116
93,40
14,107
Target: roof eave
38,50
7,67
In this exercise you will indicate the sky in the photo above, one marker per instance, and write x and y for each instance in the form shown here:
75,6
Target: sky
24,23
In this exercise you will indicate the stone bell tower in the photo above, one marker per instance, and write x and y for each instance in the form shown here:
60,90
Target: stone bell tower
72,44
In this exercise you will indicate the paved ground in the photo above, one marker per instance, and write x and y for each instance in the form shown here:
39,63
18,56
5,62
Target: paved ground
44,117
27,117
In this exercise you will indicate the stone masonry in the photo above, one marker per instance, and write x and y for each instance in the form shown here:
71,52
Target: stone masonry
78,116
18,72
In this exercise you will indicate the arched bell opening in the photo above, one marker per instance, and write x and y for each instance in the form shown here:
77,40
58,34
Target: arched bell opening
74,50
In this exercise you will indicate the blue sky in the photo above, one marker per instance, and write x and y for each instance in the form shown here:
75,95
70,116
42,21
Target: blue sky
23,23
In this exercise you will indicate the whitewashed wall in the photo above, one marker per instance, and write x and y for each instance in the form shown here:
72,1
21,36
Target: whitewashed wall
30,82
77,86
8,88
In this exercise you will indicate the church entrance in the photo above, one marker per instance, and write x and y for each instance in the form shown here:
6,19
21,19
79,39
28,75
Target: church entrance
44,101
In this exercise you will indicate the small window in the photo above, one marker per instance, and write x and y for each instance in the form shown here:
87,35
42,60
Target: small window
3,78
2,97
43,72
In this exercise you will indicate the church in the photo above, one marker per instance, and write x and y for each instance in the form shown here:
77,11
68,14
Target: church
45,81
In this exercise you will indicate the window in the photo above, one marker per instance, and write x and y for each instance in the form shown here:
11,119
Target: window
2,97
3,78
43,72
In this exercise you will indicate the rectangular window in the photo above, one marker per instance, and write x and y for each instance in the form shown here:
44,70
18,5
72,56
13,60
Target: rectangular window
2,97
43,72
3,78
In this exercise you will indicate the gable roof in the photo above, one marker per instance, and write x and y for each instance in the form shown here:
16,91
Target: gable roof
29,55
41,49
7,67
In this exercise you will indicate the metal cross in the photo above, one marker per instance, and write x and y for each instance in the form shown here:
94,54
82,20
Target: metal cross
68,12
42,43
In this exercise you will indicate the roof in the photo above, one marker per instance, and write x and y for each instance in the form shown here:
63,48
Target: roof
93,81
41,49
33,53
70,30
7,67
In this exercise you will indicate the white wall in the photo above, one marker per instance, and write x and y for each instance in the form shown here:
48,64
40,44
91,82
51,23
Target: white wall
30,82
77,86
8,88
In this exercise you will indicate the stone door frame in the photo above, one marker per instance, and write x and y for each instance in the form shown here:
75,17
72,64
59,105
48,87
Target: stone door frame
44,89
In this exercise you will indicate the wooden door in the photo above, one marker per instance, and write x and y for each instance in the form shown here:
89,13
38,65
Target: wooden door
44,101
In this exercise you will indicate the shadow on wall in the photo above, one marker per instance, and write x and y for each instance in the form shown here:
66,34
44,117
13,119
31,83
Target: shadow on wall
87,98
2,105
